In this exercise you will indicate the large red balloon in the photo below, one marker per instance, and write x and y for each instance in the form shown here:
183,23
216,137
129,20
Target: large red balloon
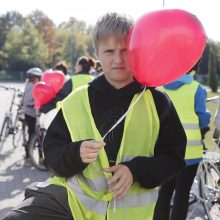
164,45
43,93
54,78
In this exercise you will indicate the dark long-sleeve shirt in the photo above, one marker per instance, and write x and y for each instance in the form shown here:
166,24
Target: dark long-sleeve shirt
108,104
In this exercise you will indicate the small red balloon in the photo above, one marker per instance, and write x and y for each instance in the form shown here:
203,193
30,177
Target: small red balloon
54,78
163,45
43,93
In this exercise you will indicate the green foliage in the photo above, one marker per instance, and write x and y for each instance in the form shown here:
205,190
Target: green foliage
35,41
7,21
46,28
212,70
73,40
24,48
203,64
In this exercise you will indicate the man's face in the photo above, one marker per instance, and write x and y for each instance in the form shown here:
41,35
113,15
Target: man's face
112,54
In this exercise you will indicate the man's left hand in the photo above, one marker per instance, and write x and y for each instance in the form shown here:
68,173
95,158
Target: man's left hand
121,180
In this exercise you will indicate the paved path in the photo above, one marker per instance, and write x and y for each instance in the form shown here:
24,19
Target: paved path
15,174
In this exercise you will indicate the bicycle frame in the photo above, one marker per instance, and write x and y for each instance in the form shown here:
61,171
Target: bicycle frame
9,125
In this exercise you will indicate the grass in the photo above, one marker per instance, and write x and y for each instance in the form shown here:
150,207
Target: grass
209,143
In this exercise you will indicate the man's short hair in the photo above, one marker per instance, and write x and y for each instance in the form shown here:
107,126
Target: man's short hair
111,24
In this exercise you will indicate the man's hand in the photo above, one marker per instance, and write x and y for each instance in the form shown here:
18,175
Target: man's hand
89,150
121,180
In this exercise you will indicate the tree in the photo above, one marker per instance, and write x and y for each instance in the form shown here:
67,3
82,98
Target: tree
203,64
25,48
46,28
212,70
7,21
74,40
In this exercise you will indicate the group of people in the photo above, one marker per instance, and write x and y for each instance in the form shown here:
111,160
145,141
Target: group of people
117,149
83,74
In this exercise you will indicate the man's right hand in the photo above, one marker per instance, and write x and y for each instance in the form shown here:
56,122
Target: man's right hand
89,150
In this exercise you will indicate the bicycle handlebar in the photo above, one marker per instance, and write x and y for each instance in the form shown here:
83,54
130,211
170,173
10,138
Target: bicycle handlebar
211,156
213,99
10,88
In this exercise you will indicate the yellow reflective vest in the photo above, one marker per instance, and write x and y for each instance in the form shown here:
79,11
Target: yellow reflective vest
88,195
80,80
77,81
183,99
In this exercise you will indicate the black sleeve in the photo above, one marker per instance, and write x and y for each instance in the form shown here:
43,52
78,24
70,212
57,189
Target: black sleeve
62,156
169,151
65,91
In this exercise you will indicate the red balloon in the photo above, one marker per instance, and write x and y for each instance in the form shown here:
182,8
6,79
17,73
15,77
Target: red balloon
54,78
163,45
43,93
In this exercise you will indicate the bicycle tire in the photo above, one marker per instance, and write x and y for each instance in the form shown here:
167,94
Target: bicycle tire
35,147
19,134
5,130
209,188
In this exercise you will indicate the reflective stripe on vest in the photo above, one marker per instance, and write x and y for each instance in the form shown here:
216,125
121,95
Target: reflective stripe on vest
90,203
80,80
183,100
90,188
134,200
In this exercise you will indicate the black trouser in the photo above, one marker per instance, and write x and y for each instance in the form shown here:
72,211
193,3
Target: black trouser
182,185
42,203
31,123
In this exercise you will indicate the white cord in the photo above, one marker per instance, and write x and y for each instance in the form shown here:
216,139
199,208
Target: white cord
119,121
124,115
114,126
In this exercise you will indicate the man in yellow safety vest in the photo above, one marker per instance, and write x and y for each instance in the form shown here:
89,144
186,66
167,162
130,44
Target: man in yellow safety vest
102,173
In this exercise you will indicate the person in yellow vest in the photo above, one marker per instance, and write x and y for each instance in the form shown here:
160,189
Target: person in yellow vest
105,165
81,77
189,99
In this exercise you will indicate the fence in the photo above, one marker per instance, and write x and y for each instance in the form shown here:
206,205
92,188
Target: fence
12,75
21,76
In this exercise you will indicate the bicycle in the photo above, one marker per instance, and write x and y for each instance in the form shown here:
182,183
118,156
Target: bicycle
206,186
13,124
208,177
35,145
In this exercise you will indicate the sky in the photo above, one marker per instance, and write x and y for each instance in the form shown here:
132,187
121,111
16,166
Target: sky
208,11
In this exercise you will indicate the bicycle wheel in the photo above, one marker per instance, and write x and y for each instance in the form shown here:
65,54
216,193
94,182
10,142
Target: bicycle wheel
216,151
20,132
4,132
209,188
35,148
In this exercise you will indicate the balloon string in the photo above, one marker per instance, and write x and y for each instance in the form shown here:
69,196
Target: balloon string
163,3
114,126
124,115
119,120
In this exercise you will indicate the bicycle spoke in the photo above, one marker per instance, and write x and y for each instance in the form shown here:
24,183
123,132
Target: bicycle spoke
208,180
